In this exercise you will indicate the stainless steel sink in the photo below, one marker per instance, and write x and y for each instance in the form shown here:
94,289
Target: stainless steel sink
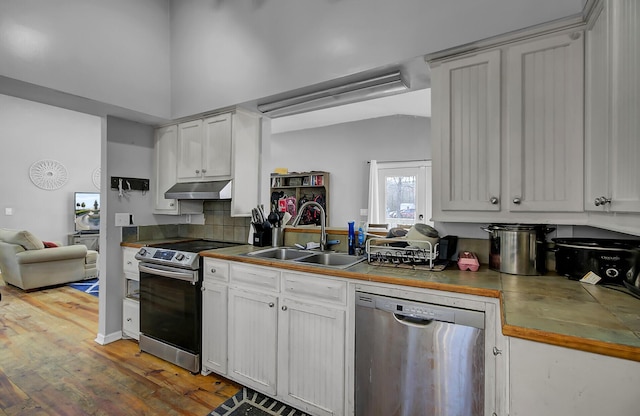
280,253
338,260
328,259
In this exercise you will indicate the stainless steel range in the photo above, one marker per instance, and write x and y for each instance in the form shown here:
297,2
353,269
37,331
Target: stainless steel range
171,301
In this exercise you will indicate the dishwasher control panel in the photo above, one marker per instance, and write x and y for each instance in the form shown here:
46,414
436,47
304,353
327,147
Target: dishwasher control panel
420,310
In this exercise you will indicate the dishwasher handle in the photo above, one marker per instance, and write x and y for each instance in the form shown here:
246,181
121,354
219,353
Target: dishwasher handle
412,321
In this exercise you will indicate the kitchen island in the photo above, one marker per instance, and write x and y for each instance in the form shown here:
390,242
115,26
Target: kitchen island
550,309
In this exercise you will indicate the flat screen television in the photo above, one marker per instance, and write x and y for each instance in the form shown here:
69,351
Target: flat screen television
87,212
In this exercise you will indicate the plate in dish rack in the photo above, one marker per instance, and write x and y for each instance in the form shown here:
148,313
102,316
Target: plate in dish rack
48,174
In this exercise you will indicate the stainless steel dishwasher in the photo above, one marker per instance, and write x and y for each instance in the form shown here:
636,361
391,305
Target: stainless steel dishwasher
416,358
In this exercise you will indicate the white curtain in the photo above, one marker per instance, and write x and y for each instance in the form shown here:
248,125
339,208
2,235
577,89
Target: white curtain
374,198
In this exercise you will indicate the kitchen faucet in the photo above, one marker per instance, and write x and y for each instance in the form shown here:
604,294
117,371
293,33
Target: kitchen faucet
323,234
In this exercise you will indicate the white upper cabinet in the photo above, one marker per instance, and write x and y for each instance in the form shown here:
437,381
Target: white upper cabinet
507,130
204,149
468,115
544,114
613,108
166,146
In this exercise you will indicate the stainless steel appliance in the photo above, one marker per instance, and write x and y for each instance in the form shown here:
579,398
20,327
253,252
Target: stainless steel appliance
416,358
518,248
612,260
171,301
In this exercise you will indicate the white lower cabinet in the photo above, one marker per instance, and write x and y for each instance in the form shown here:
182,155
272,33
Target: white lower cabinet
285,334
253,324
550,380
214,312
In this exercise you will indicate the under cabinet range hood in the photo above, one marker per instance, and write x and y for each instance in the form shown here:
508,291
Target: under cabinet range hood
200,190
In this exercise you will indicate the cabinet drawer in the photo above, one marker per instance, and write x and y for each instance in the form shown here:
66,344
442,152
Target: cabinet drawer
315,287
129,262
253,276
216,270
131,318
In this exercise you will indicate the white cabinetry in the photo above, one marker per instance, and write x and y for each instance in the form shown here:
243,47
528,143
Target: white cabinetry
550,380
165,150
285,333
253,326
613,108
508,147
222,147
544,115
130,302
311,343
214,316
467,113
204,149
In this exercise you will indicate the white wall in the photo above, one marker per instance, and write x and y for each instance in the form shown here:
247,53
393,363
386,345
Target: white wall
115,51
229,52
343,150
31,132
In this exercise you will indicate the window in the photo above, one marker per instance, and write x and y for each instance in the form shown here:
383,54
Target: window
400,193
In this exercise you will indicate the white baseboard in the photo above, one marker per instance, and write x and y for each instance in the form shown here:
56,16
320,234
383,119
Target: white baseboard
107,339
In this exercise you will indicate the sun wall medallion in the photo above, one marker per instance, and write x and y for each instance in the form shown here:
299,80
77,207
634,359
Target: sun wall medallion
48,174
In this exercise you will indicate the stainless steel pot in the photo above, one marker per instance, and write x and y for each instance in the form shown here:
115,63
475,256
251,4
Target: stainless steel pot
518,248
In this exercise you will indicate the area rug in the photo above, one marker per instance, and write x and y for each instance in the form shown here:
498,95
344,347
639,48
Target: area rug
87,286
251,403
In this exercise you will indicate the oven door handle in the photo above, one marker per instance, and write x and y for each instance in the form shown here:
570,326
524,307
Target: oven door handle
187,276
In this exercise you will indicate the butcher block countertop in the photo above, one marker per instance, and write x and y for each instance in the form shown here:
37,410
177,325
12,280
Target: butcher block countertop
550,309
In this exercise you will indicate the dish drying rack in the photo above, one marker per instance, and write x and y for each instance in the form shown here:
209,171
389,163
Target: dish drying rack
417,254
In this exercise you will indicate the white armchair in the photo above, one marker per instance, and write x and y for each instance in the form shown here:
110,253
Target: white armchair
27,264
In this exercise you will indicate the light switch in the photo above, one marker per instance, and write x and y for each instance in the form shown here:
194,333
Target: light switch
123,219
8,211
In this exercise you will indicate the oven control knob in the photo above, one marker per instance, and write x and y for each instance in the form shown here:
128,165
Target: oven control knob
180,257
612,273
142,251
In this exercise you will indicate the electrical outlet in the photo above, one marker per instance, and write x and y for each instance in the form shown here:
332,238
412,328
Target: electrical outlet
8,211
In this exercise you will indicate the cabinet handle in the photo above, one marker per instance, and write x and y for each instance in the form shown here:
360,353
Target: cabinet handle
213,270
517,200
128,319
202,289
197,170
496,351
494,200
602,201
284,308
172,204
271,304
204,171
129,262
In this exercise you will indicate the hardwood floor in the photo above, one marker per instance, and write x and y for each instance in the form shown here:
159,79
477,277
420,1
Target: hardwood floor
50,364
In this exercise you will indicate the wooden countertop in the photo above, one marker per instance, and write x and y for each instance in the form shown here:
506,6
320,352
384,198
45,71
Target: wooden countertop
550,309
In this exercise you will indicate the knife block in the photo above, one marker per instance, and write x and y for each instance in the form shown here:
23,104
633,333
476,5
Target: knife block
262,238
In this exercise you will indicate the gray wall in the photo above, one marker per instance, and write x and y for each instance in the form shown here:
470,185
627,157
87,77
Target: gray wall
114,52
32,132
344,149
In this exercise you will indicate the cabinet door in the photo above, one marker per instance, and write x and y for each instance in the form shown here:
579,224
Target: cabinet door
246,163
597,108
214,327
311,356
165,148
545,124
625,109
216,147
467,94
253,339
189,165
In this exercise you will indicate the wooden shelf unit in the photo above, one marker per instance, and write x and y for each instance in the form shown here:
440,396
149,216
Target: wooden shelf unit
305,186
